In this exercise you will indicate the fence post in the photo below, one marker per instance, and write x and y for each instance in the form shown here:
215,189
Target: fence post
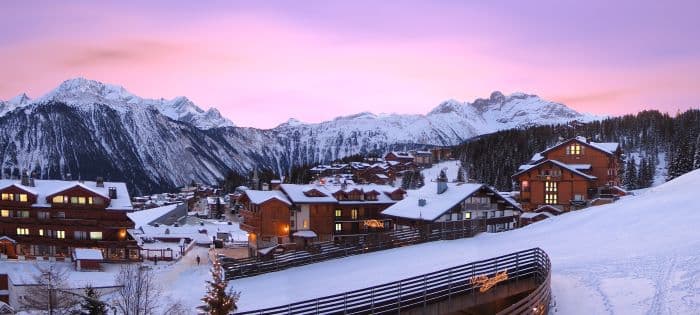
425,293
345,303
399,297
372,305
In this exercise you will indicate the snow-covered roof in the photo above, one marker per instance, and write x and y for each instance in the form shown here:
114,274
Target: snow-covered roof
436,204
530,215
580,166
605,147
146,217
402,154
296,193
261,196
305,234
525,168
87,254
46,187
213,200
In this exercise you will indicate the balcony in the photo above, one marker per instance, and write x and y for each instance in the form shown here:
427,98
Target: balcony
480,206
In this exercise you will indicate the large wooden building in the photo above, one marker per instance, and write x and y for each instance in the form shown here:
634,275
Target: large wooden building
323,212
51,218
569,175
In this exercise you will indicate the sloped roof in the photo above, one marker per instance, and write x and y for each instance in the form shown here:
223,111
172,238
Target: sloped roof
44,188
436,204
560,164
605,147
261,196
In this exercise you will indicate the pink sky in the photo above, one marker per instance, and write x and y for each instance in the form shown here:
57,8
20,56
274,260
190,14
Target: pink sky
262,63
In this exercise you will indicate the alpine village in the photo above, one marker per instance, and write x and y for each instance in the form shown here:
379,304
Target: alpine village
319,164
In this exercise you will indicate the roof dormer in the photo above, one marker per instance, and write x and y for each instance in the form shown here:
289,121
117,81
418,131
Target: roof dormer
15,193
78,195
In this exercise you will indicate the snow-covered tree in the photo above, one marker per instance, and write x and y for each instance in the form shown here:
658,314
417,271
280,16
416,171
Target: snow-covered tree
461,177
220,300
91,304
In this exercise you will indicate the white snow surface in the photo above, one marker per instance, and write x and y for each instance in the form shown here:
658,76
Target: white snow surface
88,254
638,255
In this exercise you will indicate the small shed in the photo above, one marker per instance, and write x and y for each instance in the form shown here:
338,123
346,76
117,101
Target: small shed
87,258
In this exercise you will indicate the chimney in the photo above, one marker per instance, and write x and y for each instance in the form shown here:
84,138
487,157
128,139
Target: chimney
25,178
422,202
31,179
112,192
441,182
100,182
265,186
69,176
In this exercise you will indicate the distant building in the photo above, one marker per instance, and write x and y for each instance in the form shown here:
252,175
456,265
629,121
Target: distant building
399,156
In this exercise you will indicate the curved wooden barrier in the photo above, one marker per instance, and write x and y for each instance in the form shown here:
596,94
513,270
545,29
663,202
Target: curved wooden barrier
422,291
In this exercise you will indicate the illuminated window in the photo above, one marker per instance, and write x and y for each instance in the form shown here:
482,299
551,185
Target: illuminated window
338,212
95,235
7,196
306,224
525,185
61,234
574,149
23,198
41,232
550,186
550,199
4,213
353,214
338,227
73,199
90,200
57,199
82,200
22,231
467,215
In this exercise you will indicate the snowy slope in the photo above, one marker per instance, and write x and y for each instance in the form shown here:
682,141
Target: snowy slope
639,255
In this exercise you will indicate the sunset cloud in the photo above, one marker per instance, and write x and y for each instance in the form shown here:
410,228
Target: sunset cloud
261,63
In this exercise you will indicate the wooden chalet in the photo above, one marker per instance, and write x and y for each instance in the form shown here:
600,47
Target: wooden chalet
399,156
569,175
48,219
315,212
477,204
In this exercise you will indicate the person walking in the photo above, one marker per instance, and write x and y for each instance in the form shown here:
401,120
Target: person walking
197,260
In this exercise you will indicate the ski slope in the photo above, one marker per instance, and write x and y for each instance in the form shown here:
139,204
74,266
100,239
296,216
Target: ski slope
640,255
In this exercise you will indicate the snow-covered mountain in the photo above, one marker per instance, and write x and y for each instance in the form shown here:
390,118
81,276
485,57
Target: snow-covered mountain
84,92
88,128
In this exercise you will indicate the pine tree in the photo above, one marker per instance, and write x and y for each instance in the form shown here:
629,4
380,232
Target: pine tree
406,180
460,175
696,162
92,305
421,180
220,300
631,181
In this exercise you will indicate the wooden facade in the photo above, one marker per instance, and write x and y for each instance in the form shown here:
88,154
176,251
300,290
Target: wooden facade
568,175
41,221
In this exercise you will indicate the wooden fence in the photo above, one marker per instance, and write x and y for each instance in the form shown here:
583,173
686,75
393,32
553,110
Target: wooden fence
423,290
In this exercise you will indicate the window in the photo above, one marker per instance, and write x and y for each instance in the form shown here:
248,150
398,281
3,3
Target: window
6,197
338,227
95,235
550,186
61,215
550,199
353,214
467,215
306,224
22,214
574,149
74,200
43,215
89,200
338,212
57,199
60,234
80,235
5,213
41,232
22,231
578,197
23,198
82,200
525,185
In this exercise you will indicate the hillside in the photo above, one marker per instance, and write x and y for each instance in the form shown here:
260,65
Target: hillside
639,255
